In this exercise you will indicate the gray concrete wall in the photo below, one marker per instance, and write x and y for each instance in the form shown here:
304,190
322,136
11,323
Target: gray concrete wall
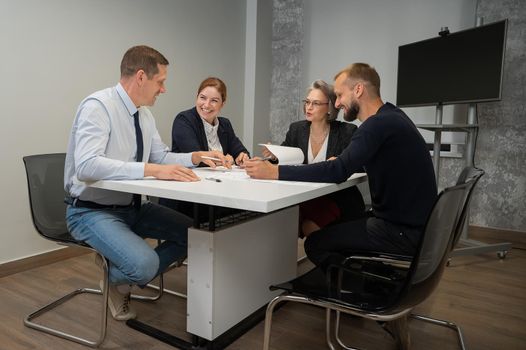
287,52
500,198
263,76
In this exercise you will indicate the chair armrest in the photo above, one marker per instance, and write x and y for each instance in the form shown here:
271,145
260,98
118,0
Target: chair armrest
397,260
400,263
336,272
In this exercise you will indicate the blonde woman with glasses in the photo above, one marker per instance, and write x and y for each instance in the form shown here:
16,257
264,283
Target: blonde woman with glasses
321,137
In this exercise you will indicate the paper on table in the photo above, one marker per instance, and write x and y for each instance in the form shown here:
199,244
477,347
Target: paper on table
286,155
237,174
221,168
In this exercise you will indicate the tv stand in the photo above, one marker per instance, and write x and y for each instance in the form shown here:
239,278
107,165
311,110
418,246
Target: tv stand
467,246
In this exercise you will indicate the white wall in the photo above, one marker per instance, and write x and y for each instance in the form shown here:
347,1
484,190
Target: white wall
258,74
56,52
340,32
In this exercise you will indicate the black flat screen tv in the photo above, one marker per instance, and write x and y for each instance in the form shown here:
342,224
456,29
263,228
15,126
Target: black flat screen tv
461,67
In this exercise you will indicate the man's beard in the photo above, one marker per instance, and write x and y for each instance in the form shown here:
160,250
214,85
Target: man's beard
352,112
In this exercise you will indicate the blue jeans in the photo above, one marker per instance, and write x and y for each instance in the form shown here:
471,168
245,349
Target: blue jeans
119,234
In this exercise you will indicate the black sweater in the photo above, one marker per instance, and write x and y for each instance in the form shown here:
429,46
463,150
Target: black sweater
398,165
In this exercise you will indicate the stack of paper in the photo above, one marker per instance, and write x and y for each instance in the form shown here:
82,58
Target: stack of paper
286,155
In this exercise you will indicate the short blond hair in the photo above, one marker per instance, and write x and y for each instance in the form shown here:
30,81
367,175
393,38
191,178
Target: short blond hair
363,72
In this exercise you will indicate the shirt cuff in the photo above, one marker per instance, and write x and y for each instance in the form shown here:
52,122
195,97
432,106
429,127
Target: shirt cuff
184,159
137,170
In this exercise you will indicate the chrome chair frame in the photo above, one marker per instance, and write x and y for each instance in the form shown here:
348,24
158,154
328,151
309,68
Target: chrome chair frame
52,226
395,314
160,288
28,321
57,232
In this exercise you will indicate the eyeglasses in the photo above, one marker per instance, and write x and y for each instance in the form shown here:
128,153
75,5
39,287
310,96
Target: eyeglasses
314,103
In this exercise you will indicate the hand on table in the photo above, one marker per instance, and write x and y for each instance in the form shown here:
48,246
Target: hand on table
170,172
219,159
261,169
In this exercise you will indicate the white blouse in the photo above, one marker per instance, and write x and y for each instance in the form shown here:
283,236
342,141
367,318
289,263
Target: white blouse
322,154
211,136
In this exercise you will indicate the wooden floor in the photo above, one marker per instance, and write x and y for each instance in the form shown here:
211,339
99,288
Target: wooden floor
484,295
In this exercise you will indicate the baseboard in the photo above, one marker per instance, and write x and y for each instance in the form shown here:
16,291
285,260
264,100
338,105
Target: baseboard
495,235
20,265
485,234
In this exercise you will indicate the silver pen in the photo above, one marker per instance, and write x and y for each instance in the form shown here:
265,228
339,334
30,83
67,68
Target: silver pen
212,179
211,158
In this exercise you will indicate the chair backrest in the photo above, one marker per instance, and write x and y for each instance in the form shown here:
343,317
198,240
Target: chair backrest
469,175
45,182
436,242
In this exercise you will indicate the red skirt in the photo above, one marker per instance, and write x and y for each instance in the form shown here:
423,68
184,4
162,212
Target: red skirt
322,211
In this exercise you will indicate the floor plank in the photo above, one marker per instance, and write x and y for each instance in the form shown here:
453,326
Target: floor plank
484,295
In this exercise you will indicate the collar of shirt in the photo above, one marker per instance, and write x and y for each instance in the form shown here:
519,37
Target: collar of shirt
210,129
126,99
322,153
211,135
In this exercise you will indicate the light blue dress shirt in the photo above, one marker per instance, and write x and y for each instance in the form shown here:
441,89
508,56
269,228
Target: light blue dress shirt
102,146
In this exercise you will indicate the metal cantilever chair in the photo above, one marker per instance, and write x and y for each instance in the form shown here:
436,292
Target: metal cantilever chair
384,287
45,174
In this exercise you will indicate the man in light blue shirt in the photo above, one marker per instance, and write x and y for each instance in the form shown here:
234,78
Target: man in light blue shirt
105,144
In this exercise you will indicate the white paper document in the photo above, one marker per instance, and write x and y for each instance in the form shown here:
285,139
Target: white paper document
221,168
222,173
286,155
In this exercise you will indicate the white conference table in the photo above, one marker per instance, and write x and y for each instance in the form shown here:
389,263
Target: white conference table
230,269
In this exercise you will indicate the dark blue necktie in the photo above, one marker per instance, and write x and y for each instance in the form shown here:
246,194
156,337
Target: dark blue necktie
138,157
138,137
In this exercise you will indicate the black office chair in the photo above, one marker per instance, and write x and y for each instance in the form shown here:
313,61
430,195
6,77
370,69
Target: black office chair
469,175
383,287
45,174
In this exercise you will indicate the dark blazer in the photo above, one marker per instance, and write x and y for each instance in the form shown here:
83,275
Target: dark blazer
349,200
339,137
188,134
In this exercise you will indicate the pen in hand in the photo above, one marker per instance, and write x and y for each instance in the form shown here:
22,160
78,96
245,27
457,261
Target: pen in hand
228,162
211,158
261,158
